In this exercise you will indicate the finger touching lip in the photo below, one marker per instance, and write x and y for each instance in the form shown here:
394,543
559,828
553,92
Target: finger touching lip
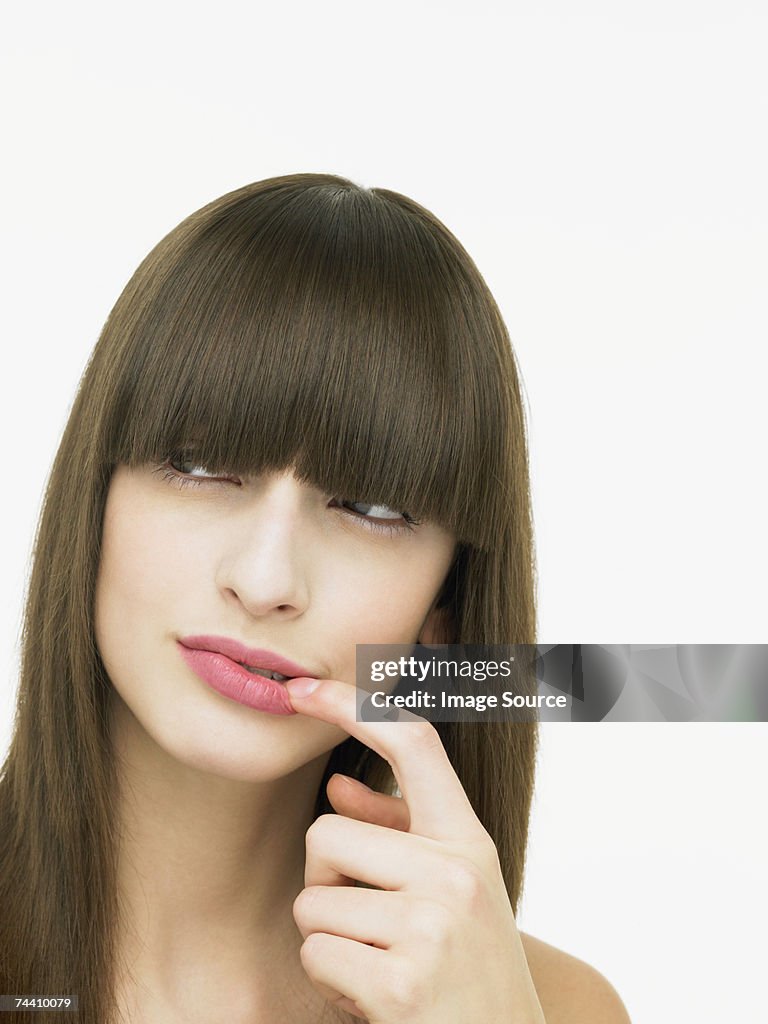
436,799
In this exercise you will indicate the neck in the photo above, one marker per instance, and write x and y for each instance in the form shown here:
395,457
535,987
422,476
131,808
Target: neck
208,870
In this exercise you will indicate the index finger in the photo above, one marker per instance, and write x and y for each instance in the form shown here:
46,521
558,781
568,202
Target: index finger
438,806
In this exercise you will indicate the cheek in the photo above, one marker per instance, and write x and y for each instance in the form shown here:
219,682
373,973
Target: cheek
139,578
384,600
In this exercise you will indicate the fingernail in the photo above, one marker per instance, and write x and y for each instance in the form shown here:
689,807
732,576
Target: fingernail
354,782
302,686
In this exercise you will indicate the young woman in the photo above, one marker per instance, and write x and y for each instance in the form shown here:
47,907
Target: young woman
301,429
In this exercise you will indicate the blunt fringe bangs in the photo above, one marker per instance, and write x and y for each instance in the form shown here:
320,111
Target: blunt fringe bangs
318,326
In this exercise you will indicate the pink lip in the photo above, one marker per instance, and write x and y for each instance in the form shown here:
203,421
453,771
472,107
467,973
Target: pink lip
215,660
255,656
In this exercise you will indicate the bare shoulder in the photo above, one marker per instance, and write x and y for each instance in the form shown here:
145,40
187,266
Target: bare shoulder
569,990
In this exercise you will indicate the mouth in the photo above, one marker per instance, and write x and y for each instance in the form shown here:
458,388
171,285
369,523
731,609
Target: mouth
254,660
256,671
255,678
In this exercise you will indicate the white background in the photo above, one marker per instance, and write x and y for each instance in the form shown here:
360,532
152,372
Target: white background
605,165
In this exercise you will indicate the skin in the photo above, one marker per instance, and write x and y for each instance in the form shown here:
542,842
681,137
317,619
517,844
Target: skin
234,908
436,941
213,790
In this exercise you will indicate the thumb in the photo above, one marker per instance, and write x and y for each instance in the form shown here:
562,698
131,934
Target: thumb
356,800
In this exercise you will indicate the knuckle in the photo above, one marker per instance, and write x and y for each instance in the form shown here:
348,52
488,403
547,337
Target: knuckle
424,735
465,883
489,854
431,923
312,949
318,830
406,993
306,901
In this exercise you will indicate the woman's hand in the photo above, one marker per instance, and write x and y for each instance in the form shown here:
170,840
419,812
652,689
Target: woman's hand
436,942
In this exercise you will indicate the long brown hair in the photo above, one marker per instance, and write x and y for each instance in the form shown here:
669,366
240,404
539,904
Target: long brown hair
304,322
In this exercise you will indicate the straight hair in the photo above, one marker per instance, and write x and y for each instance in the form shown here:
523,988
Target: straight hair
300,322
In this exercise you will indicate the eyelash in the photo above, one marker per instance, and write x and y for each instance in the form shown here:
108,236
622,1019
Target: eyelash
178,479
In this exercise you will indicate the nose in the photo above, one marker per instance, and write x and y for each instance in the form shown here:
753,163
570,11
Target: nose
263,565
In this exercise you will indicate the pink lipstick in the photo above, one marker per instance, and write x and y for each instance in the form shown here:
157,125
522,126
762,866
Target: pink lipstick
221,663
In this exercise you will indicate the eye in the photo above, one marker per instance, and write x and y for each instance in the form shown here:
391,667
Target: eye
185,464
378,517
184,469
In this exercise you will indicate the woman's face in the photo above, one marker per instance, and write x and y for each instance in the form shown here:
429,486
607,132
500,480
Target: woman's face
269,562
